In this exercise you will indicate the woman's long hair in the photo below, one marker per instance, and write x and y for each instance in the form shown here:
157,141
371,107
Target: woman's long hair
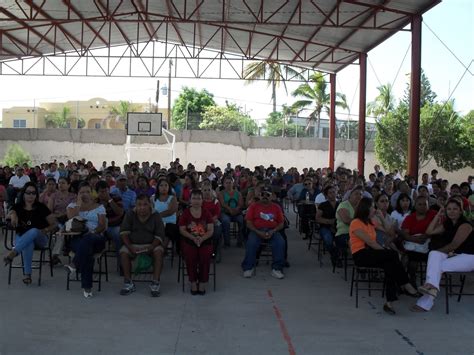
362,211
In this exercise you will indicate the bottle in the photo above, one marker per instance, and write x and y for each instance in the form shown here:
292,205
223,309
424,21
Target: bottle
307,196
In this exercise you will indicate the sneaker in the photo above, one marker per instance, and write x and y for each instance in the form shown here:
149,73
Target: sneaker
88,294
155,289
69,268
248,273
128,288
277,274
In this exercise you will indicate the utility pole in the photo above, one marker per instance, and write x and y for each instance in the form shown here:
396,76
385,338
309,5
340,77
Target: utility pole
169,93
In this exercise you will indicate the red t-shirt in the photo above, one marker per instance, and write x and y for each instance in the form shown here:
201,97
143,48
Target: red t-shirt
264,216
415,226
213,207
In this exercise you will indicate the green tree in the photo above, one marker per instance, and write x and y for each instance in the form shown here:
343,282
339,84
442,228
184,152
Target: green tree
120,112
277,125
274,73
60,119
191,103
427,96
316,96
287,112
383,103
228,118
443,137
15,154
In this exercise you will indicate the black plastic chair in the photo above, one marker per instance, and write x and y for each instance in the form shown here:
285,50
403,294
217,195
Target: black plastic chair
449,286
37,264
101,259
370,279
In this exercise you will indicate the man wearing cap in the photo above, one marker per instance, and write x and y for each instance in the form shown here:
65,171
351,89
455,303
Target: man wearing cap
121,189
16,184
264,221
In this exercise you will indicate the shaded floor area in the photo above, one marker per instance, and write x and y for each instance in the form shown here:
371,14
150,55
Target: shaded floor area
308,312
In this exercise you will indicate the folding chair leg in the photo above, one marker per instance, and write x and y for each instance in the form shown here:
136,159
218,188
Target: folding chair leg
357,288
215,278
50,262
106,268
461,289
352,280
447,278
40,267
99,260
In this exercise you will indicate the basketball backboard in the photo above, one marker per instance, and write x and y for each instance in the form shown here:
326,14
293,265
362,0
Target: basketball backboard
144,124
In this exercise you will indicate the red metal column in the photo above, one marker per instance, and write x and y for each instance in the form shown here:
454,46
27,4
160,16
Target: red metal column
332,122
415,77
362,108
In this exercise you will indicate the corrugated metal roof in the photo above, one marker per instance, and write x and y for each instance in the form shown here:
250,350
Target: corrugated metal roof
326,35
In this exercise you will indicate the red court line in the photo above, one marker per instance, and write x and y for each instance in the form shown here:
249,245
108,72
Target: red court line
284,331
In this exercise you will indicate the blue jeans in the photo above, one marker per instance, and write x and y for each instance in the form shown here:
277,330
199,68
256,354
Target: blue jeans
85,247
253,244
225,220
25,244
328,239
113,233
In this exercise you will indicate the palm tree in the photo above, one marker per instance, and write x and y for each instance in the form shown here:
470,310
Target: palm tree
60,119
383,103
287,112
120,111
274,73
316,96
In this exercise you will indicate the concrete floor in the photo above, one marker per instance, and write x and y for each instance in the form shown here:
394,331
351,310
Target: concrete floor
309,312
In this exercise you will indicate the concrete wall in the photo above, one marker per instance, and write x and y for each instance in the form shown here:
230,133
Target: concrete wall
198,147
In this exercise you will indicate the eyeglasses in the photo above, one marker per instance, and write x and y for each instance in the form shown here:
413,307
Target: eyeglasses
30,193
307,184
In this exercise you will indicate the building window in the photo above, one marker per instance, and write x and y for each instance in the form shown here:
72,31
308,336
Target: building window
325,132
97,126
19,123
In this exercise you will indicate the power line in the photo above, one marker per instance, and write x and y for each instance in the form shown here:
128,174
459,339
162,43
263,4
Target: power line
401,64
449,50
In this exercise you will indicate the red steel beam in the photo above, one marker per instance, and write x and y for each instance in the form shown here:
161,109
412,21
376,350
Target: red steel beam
415,88
298,6
69,4
43,13
25,25
367,18
362,108
378,7
306,43
20,42
332,122
143,13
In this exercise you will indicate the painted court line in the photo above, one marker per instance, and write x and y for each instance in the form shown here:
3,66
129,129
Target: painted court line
284,331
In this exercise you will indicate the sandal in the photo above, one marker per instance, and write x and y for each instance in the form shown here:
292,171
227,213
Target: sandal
7,260
428,290
27,280
388,309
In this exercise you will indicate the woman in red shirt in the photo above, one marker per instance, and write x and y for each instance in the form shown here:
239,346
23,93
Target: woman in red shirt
366,252
414,228
196,226
211,204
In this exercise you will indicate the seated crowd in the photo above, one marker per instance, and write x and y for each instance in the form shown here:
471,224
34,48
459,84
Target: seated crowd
145,210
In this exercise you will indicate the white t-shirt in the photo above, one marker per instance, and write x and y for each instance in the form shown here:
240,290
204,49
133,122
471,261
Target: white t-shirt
320,198
53,174
398,217
19,182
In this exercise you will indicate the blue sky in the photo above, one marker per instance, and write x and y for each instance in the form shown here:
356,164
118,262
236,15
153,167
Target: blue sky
452,21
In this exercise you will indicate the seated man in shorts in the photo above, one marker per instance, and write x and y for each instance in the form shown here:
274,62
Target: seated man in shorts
142,232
